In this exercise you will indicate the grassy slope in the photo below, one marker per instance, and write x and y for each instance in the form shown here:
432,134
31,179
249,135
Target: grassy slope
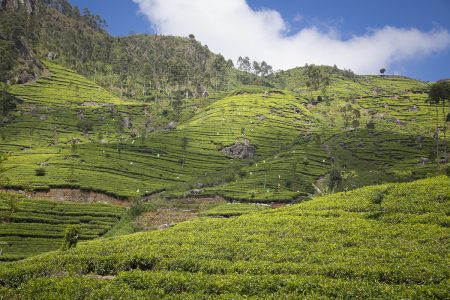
337,246
60,101
275,137
37,226
404,127
142,158
146,162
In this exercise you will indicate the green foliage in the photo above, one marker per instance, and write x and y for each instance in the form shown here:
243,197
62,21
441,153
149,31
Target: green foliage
233,209
334,179
348,178
148,159
184,142
12,203
3,178
137,207
86,126
40,172
7,101
37,226
9,56
315,249
316,78
71,236
18,28
370,125
378,198
439,91
305,162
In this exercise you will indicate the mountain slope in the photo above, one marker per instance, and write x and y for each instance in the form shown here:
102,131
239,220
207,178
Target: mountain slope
378,128
338,246
37,226
56,110
146,67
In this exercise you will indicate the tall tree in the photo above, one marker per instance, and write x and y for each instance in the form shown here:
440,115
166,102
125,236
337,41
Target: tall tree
266,69
316,78
244,64
256,68
7,101
440,94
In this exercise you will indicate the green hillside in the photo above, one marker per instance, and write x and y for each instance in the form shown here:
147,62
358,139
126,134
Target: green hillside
386,241
148,167
37,226
84,137
138,66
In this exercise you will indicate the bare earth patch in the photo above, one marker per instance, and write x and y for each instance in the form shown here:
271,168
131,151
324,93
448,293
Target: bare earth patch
176,210
75,195
163,218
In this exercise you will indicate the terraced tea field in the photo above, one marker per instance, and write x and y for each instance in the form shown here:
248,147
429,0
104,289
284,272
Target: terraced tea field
32,226
380,129
157,169
386,241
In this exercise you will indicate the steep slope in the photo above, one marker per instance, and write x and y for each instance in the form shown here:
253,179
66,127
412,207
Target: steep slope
82,136
147,67
374,129
340,246
275,123
37,226
114,143
378,129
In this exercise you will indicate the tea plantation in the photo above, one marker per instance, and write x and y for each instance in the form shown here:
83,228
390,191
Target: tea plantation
172,162
145,166
386,241
29,226
379,129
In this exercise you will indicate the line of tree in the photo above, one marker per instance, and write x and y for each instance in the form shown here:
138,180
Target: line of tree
262,68
65,8
139,66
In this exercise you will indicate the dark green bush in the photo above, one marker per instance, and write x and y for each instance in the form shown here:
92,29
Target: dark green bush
40,172
71,236
335,178
137,207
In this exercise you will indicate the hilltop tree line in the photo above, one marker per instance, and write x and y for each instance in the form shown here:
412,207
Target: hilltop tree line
258,68
138,66
143,67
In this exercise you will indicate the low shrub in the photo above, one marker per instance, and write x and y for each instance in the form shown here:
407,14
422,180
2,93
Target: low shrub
40,172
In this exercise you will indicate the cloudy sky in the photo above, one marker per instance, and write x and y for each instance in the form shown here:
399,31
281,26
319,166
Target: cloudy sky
406,37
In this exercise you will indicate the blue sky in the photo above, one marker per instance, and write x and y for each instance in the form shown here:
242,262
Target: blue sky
290,24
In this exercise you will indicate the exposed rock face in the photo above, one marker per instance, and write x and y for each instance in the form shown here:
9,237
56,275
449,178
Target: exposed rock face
51,55
398,122
172,125
261,117
424,160
377,91
413,108
241,150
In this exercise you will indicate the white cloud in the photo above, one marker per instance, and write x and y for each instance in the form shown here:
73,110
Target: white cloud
233,28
